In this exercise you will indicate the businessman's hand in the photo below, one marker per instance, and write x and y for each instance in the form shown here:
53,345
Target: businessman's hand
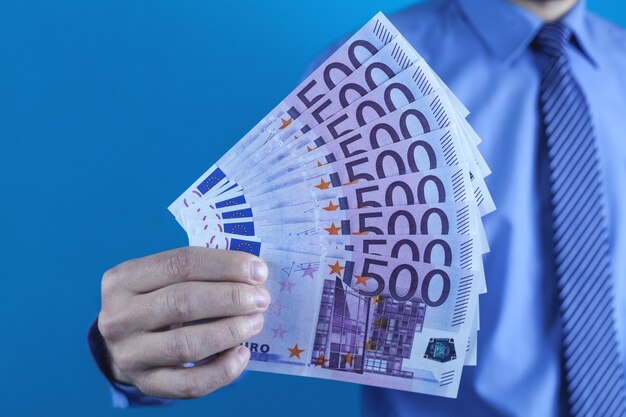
145,301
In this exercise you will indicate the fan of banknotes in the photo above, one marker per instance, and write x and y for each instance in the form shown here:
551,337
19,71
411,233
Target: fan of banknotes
363,190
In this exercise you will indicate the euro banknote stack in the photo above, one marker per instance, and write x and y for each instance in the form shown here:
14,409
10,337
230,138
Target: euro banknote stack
363,190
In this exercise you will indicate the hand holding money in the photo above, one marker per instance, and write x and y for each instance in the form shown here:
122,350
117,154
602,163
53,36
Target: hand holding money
363,190
146,301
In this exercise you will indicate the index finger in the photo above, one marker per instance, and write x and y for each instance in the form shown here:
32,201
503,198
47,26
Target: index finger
160,270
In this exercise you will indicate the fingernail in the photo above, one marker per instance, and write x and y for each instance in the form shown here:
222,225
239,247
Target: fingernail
256,321
243,353
262,297
258,271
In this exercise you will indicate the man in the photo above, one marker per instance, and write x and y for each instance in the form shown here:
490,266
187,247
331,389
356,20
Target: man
546,84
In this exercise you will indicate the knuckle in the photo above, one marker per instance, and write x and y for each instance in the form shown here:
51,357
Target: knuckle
243,265
230,370
179,263
236,329
183,346
237,265
225,374
178,303
111,325
111,280
239,297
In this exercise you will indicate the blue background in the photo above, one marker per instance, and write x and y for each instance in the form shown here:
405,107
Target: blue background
108,110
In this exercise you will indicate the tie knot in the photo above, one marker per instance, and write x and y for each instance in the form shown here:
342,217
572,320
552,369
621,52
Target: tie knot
552,39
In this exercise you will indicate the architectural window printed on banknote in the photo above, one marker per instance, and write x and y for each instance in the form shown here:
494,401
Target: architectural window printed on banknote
364,192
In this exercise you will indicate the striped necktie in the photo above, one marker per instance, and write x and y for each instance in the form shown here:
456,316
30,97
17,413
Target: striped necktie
593,367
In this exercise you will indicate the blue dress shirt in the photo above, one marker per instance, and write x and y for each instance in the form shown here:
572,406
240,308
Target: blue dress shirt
480,48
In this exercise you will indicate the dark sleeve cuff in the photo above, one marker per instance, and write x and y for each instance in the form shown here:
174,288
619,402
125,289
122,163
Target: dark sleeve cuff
123,395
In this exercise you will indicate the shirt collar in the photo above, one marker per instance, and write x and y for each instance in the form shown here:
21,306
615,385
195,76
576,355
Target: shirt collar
508,29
